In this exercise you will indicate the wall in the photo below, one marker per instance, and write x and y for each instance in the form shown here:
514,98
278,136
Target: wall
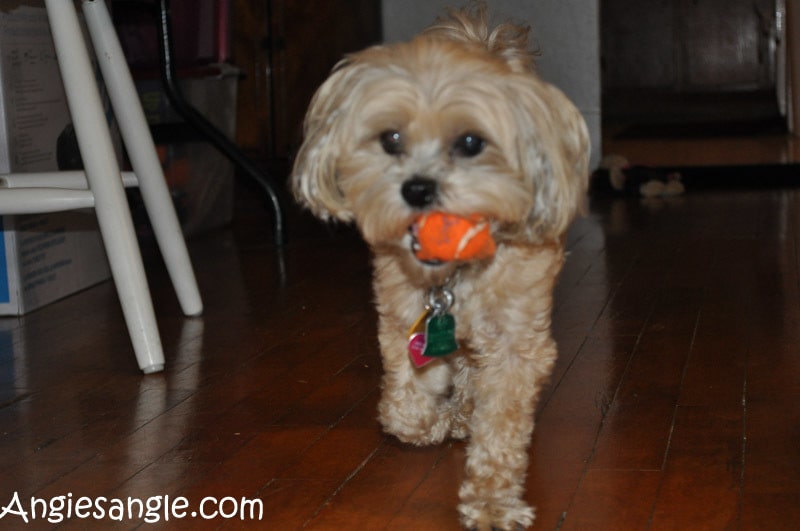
565,32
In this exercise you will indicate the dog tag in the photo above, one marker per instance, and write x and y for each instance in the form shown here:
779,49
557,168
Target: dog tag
416,349
440,336
417,339
433,335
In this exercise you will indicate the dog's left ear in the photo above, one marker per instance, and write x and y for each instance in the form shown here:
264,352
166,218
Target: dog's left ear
553,151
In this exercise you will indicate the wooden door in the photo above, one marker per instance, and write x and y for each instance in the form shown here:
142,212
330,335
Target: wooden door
286,49
688,45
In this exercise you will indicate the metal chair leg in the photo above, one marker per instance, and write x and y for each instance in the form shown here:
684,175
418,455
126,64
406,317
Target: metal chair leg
206,128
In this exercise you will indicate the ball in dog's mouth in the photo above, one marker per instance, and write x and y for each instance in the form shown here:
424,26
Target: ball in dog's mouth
416,247
439,237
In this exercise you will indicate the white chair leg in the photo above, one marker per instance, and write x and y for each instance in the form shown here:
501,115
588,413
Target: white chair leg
142,152
103,175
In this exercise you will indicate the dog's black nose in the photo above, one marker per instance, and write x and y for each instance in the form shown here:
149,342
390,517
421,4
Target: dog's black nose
419,191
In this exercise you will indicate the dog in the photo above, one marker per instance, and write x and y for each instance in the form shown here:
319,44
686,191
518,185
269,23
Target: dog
455,120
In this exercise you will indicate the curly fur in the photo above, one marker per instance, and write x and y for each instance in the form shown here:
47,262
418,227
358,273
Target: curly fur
529,180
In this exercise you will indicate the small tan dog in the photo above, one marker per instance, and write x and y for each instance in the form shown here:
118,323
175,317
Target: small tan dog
455,121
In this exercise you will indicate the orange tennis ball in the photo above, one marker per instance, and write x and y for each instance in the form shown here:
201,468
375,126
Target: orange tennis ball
446,237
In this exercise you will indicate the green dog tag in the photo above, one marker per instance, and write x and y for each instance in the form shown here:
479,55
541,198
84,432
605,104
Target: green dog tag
440,333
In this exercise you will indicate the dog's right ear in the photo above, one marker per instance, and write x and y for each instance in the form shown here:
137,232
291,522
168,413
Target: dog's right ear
314,178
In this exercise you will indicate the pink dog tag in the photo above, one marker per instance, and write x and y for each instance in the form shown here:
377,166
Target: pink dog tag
416,347
417,341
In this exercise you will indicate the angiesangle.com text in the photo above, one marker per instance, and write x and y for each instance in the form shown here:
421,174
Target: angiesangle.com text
151,510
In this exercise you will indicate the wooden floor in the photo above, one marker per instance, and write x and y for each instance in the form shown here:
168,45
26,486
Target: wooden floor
674,404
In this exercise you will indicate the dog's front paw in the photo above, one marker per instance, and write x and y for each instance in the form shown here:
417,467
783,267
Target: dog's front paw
415,419
514,515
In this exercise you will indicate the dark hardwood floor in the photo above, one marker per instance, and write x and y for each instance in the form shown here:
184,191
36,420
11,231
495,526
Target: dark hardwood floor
674,403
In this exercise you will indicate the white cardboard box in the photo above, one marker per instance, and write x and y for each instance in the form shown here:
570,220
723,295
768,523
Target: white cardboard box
43,257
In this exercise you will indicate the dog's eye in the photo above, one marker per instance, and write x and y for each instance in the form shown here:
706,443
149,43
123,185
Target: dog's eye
391,142
468,145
